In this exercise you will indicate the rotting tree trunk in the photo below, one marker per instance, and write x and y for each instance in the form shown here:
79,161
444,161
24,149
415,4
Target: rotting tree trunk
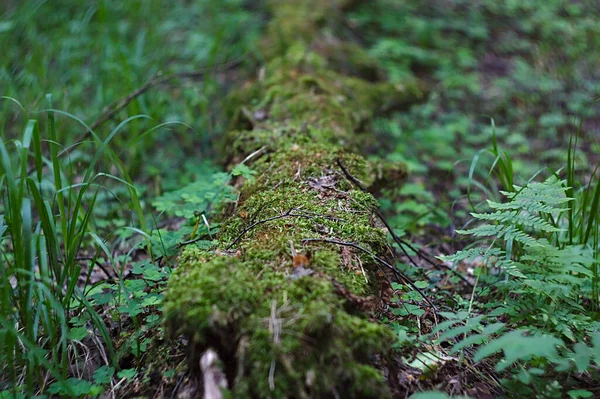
285,330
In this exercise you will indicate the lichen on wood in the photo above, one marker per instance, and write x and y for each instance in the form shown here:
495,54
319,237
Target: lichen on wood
278,332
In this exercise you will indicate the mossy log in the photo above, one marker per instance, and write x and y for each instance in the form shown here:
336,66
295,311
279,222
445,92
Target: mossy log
283,331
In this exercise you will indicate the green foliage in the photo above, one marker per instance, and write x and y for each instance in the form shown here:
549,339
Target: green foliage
539,271
530,248
538,351
531,64
48,216
527,64
516,346
75,387
54,204
91,55
45,221
46,308
195,198
521,222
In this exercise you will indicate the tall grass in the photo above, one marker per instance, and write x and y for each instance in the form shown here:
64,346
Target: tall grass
45,221
583,223
89,55
92,54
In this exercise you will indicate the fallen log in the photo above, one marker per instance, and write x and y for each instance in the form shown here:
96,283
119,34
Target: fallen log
289,312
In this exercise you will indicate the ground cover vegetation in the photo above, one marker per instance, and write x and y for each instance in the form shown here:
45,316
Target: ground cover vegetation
108,170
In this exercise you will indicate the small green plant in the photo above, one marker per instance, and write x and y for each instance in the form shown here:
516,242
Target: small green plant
46,215
527,221
46,220
537,255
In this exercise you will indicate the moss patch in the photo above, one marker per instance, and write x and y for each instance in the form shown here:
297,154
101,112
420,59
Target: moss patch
281,332
297,330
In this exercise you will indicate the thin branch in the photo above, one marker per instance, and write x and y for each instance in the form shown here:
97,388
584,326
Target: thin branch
283,215
112,109
398,275
192,241
350,177
260,151
109,278
425,257
402,244
253,225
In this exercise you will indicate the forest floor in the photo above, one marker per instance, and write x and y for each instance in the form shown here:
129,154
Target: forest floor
511,84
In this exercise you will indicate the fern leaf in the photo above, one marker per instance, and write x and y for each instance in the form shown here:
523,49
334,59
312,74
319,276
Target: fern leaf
517,346
475,339
471,254
485,230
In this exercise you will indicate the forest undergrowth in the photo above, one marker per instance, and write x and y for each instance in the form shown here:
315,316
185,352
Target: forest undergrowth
102,184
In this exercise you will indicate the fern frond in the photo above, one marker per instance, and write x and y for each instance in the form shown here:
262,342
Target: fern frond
514,233
551,187
472,254
551,192
517,346
552,290
568,260
519,219
533,207
490,257
485,230
510,267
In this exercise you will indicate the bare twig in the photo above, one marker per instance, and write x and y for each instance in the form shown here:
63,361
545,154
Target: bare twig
112,109
260,151
402,244
97,263
177,384
395,271
289,213
188,242
253,225
425,257
350,177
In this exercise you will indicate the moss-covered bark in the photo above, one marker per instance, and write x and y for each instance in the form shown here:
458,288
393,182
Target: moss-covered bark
285,332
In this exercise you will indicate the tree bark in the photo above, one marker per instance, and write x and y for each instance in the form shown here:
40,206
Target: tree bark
286,324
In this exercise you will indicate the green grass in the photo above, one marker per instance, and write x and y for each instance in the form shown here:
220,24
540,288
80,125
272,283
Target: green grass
45,223
73,199
90,55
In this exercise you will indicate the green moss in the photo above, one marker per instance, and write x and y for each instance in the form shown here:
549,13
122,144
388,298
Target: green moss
228,300
221,301
224,301
299,91
244,302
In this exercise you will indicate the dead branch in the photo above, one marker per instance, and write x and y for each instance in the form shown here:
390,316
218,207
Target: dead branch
307,215
115,107
382,262
402,244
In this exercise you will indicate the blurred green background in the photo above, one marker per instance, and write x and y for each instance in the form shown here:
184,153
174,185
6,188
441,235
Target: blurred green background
88,54
531,66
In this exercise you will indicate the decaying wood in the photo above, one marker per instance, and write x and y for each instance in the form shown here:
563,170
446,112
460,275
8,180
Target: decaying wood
281,327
